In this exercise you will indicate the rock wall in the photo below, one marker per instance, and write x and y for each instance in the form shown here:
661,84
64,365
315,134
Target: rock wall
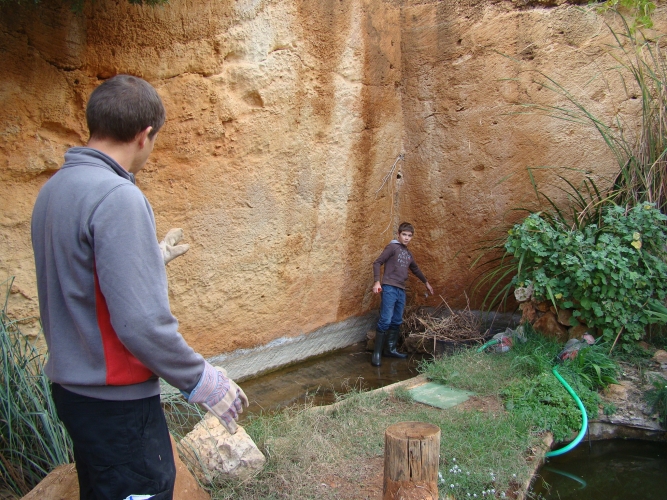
286,122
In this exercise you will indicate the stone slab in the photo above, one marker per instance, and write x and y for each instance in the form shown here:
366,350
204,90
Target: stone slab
438,395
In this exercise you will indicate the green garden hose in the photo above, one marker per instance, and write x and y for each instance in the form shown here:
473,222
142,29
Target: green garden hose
584,418
488,344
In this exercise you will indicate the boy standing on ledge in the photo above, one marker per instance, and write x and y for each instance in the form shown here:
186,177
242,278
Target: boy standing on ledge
397,259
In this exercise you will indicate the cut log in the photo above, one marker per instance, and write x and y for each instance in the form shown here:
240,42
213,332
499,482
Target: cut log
411,457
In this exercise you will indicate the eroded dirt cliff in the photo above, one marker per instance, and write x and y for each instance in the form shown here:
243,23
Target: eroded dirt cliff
285,122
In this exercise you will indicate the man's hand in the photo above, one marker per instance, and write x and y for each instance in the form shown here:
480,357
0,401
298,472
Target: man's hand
429,287
220,395
377,288
169,248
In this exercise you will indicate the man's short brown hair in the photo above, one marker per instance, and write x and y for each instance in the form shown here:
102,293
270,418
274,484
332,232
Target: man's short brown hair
123,106
405,226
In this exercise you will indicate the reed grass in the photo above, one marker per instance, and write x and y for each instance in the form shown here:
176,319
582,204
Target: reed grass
638,146
32,439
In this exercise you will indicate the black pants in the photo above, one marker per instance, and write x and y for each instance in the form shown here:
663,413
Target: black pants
121,448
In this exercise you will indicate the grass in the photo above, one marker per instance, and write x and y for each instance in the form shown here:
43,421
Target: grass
522,379
32,439
485,451
303,446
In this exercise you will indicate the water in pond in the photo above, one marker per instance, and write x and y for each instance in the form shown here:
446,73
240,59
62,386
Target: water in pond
614,469
319,379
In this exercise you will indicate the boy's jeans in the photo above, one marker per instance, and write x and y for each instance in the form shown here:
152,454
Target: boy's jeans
391,307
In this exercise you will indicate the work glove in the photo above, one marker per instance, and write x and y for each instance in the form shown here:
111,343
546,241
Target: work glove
170,250
220,395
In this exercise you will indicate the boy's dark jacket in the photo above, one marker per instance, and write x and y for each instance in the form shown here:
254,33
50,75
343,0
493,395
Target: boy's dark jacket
397,259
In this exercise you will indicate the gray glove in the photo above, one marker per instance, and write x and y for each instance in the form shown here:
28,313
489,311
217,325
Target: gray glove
168,245
220,395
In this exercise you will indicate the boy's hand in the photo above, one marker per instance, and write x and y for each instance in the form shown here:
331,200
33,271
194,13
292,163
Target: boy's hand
377,288
429,287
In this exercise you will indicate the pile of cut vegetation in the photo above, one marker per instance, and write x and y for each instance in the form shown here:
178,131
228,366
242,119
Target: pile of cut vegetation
427,329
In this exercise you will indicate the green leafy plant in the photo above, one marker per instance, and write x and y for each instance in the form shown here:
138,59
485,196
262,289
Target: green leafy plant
593,366
640,10
607,273
609,409
542,401
657,399
33,441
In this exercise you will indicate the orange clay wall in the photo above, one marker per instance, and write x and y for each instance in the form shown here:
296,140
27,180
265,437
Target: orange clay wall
285,120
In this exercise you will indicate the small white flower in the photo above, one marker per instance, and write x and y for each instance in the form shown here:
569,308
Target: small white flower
467,473
513,475
475,495
493,490
453,460
451,485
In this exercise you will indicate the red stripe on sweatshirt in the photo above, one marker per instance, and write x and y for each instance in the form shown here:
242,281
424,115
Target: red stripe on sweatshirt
122,367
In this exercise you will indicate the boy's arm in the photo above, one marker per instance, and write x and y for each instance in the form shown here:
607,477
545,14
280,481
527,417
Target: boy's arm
417,272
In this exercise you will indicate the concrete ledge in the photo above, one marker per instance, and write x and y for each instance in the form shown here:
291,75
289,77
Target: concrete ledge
246,363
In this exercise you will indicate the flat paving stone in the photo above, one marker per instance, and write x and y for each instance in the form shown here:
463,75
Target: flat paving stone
438,395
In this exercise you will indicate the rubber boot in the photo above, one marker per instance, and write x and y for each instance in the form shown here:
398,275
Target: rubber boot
379,345
390,347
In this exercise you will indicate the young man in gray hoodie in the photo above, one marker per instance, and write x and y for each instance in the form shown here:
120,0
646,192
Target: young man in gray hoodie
396,259
104,306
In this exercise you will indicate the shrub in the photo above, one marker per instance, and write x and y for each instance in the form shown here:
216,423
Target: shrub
607,273
657,399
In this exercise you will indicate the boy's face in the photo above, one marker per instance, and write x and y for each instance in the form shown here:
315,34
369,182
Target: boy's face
404,237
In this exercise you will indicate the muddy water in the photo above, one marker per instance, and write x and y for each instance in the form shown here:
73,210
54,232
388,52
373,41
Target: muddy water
319,379
614,469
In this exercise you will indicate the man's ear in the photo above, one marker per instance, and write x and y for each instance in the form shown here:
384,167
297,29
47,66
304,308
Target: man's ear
143,136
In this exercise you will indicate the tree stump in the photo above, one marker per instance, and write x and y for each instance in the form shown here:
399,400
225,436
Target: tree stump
411,457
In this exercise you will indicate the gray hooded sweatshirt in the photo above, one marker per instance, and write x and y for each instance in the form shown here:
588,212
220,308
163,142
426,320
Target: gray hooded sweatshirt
102,285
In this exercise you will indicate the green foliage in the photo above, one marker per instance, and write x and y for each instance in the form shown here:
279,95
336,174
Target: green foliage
523,378
657,399
640,10
32,439
536,356
471,371
544,402
593,367
609,408
607,273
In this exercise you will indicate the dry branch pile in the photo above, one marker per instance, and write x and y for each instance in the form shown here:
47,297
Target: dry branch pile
442,324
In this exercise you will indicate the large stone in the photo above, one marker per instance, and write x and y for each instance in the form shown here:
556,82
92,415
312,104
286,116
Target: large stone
522,294
576,332
660,356
549,326
528,312
217,454
564,316
62,483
